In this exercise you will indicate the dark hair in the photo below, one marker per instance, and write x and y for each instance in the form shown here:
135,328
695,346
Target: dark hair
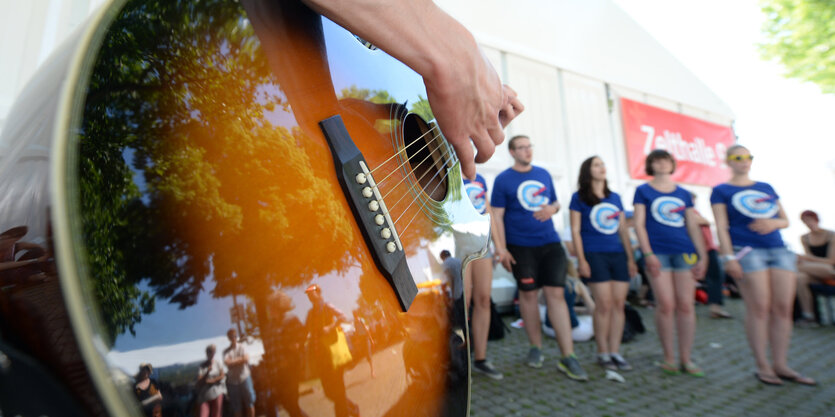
445,254
584,189
656,155
810,214
510,144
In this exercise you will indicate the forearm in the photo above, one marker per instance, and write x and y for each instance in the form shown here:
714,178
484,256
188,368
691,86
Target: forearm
498,229
696,237
578,245
425,34
153,398
627,244
643,240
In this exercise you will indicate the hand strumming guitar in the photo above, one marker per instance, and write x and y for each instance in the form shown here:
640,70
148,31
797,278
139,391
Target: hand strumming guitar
465,93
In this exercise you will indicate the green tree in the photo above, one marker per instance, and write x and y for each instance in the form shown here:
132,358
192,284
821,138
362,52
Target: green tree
800,34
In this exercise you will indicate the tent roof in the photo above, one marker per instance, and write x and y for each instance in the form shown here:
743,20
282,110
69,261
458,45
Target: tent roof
594,38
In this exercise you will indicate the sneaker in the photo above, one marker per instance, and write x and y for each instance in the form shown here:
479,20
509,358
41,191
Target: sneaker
571,367
606,362
535,357
486,368
620,362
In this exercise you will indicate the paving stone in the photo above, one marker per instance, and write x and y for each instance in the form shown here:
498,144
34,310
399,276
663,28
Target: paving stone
729,388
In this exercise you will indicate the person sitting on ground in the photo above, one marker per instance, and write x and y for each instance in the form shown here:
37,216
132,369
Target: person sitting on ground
582,328
816,265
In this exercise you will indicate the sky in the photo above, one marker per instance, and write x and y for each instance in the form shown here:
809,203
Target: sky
787,124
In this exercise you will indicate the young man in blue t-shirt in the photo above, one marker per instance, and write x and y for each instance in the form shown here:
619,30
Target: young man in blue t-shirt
523,202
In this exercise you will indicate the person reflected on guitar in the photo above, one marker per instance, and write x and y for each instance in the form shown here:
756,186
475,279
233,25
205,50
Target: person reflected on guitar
286,340
147,391
329,350
464,91
239,384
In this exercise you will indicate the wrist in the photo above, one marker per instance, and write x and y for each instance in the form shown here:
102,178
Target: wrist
648,253
728,258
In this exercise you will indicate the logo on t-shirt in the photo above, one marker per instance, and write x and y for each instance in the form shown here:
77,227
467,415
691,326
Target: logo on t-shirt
755,204
605,218
668,211
476,192
532,195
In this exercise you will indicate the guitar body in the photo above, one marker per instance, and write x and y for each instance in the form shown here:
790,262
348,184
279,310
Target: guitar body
182,169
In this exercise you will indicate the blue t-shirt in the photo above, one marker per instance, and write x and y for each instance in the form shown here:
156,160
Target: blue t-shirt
521,194
477,191
744,205
665,219
599,224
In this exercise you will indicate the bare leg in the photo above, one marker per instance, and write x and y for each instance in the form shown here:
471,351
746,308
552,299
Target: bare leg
782,298
756,294
558,313
529,309
601,317
804,294
685,287
662,288
811,273
618,317
482,278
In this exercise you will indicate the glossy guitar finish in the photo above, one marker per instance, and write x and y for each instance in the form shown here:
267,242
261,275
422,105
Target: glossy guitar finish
170,168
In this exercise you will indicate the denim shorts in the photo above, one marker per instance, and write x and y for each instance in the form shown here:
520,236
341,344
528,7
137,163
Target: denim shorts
240,394
768,258
677,261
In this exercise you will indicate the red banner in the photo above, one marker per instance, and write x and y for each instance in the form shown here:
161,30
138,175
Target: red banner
698,146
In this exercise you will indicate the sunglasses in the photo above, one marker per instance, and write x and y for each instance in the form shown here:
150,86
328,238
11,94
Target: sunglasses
739,158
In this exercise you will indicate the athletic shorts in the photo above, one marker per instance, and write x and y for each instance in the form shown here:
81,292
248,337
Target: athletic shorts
677,261
768,258
538,266
608,266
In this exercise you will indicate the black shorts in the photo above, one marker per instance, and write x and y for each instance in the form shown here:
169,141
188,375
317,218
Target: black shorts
608,266
538,266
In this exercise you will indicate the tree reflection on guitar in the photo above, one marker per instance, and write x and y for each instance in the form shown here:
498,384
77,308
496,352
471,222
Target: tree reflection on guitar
199,173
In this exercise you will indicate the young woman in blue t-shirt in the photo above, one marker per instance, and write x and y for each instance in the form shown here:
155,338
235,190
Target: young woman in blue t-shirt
748,219
675,257
600,236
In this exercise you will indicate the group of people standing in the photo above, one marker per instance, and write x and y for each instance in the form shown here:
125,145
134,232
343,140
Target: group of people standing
216,381
748,217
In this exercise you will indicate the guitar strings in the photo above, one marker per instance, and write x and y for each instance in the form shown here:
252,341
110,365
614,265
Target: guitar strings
403,230
411,187
418,196
444,151
407,147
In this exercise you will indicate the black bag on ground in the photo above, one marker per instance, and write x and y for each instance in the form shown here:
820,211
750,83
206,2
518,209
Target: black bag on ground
633,325
497,327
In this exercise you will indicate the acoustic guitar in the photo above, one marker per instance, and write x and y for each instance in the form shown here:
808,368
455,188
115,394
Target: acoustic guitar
247,175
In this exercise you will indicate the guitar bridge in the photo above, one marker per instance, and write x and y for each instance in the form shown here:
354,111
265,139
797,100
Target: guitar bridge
369,210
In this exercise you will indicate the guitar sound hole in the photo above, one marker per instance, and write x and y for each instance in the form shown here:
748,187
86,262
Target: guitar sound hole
427,153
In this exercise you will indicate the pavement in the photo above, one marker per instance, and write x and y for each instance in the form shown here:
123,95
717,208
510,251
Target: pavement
729,387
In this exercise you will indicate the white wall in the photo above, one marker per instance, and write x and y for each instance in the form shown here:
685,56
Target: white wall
29,31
